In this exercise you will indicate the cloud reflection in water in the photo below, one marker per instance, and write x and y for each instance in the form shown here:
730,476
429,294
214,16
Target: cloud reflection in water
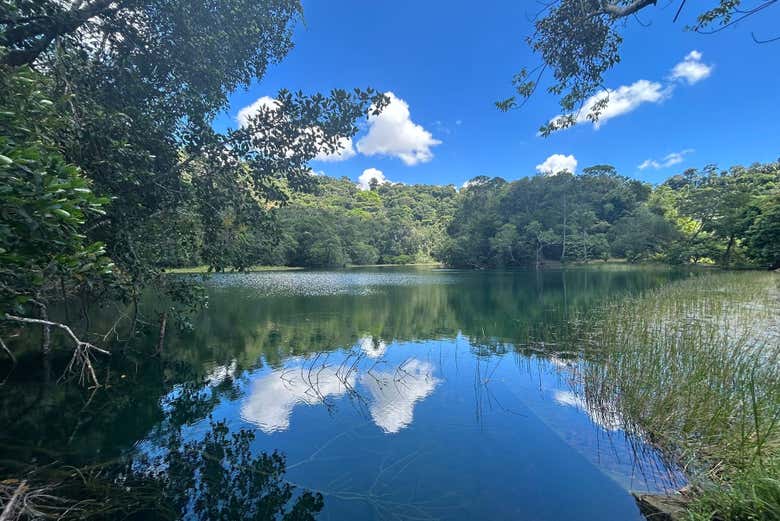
390,394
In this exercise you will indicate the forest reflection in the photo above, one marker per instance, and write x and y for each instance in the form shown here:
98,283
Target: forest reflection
258,360
495,310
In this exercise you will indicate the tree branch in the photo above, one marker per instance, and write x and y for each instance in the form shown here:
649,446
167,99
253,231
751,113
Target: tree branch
617,11
8,351
82,352
44,30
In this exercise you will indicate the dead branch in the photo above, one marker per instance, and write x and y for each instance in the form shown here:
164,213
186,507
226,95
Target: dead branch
82,352
8,351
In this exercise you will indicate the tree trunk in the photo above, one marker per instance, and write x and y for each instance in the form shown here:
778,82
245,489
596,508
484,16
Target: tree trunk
727,255
45,330
563,248
163,324
538,255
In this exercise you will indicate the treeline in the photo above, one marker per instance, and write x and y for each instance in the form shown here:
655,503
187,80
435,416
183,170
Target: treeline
729,218
337,223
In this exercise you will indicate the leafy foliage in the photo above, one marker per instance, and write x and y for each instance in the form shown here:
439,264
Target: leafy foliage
130,91
44,203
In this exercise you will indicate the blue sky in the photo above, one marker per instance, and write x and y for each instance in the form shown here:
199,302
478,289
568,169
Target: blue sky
447,62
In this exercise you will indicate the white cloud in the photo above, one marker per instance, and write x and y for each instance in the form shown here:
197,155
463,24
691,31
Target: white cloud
691,69
668,160
628,98
344,151
395,393
368,174
373,347
622,100
475,181
557,163
250,110
393,133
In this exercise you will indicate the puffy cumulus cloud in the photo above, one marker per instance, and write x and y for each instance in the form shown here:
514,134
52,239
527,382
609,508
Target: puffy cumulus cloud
393,133
557,163
250,110
368,174
372,346
394,396
622,100
691,69
668,160
344,151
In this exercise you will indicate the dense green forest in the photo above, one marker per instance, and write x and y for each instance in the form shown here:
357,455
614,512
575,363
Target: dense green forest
724,217
729,218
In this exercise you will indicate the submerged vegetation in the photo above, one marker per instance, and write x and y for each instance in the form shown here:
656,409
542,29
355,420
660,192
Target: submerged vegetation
695,367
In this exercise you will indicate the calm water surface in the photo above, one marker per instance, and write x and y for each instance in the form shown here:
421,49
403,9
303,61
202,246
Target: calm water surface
395,393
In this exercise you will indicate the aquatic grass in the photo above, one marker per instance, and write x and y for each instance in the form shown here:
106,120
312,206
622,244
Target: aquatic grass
694,369
749,495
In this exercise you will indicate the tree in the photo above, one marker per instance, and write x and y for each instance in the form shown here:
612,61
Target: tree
504,242
45,203
578,41
763,235
539,238
135,87
642,235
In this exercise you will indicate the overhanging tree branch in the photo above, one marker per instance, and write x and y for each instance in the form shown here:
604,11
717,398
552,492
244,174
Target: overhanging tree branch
28,39
81,354
621,11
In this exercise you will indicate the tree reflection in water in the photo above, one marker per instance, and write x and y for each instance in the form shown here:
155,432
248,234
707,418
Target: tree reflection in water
220,478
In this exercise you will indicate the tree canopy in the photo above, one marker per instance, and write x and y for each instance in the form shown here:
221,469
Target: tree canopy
109,157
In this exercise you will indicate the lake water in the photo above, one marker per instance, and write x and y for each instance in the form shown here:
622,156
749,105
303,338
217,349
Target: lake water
395,393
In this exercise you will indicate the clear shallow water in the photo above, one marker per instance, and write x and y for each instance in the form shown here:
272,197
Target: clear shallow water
396,393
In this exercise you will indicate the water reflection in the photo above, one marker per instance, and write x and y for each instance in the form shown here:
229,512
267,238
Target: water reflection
394,393
390,393
272,397
419,395
372,346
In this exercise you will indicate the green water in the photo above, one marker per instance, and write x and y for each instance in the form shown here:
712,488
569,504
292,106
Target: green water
393,393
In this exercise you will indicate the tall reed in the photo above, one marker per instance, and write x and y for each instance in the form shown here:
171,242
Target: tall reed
694,368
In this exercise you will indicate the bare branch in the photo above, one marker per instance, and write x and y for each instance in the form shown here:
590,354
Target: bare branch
617,11
759,41
81,354
10,354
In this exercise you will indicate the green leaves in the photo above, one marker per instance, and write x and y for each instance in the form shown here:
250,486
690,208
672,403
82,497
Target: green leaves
44,203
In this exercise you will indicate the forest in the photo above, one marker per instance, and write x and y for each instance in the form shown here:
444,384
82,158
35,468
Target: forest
710,216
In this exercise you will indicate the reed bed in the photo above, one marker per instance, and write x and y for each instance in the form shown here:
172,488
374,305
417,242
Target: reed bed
694,368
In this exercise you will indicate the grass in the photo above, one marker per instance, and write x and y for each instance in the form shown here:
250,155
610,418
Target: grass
694,368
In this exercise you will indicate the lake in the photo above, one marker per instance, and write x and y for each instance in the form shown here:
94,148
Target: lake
395,393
